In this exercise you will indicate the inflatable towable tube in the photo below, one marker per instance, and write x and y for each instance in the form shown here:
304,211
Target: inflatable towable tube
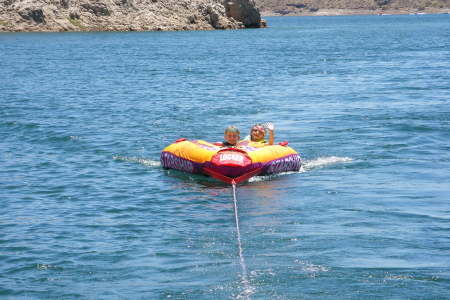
231,165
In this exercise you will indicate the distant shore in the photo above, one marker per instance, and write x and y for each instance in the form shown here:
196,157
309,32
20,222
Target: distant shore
350,12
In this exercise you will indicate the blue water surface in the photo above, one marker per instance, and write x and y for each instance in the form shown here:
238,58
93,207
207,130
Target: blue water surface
88,213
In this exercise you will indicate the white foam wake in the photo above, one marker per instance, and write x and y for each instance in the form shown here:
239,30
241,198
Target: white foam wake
306,166
324,161
139,160
272,176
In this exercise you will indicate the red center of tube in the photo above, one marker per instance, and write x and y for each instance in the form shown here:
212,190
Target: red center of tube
231,158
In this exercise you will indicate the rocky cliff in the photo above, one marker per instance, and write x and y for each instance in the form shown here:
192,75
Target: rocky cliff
127,15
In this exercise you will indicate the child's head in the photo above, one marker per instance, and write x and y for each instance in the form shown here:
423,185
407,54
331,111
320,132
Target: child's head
257,133
232,135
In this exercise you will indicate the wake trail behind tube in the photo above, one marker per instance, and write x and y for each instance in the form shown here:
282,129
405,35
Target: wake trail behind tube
307,165
247,289
139,160
324,161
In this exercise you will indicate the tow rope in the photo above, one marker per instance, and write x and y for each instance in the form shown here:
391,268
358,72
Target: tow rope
245,281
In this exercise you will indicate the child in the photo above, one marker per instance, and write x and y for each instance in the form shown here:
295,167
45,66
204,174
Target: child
231,136
257,133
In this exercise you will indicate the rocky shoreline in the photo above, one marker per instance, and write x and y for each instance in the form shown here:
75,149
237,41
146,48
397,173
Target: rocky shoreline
127,15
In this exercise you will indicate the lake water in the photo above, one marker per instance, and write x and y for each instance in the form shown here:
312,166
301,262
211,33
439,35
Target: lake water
88,213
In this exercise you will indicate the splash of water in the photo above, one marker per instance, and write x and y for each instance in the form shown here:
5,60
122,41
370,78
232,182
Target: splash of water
139,160
324,161
307,165
272,176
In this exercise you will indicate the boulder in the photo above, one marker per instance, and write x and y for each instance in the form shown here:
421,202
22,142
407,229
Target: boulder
244,11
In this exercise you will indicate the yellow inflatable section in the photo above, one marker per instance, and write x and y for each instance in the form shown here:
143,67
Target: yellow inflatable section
197,151
262,153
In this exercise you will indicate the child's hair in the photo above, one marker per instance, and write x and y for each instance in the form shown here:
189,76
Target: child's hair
232,129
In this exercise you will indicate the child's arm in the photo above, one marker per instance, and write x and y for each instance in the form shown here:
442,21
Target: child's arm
271,128
271,137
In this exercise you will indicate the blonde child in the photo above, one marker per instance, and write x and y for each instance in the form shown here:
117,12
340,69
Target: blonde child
231,136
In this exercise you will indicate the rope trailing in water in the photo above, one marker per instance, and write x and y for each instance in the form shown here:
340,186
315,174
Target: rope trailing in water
241,252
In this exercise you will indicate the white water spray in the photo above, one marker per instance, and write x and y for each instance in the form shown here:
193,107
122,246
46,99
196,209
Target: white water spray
307,165
324,161
139,160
